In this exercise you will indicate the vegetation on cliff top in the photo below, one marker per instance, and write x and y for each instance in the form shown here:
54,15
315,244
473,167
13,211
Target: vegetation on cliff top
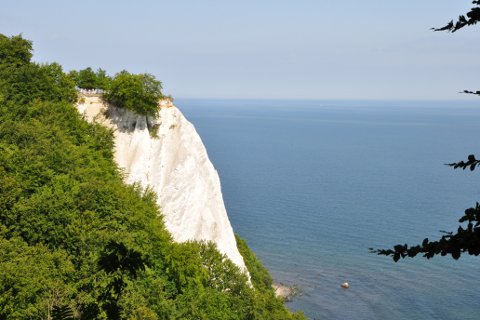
136,92
75,241
89,79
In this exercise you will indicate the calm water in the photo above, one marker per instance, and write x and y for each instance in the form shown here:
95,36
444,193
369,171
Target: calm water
312,185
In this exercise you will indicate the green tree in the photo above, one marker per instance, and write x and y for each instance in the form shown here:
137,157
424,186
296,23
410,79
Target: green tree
119,261
24,81
75,241
87,79
15,50
103,79
467,238
259,275
28,82
33,280
62,313
136,92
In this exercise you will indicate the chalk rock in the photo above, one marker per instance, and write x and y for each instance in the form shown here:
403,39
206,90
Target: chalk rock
167,155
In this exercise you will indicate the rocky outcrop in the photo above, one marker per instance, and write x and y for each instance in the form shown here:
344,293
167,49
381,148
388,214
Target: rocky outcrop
167,155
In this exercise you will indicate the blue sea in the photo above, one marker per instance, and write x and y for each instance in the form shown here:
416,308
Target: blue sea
311,185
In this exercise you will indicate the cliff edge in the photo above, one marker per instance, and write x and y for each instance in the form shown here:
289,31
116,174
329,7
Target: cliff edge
167,155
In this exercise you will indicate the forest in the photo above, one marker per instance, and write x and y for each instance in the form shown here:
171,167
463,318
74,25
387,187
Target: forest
76,242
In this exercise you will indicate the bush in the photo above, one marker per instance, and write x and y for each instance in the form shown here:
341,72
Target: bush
88,79
135,92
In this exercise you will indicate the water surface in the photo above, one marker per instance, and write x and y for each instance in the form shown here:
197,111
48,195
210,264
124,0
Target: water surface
312,185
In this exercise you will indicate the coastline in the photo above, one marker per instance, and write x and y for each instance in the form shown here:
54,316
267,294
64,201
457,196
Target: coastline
284,291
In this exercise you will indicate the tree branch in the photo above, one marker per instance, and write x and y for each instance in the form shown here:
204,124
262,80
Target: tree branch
472,162
471,92
473,16
465,240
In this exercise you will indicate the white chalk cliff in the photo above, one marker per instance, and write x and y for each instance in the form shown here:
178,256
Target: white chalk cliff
167,155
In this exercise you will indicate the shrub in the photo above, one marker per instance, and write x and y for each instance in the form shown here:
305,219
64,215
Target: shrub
136,92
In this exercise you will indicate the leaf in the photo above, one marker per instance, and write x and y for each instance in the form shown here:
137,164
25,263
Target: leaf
456,254
425,242
396,256
62,313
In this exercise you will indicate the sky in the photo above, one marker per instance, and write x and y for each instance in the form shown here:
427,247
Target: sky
261,49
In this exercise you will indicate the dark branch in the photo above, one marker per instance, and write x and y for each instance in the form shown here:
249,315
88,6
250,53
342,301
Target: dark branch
472,162
472,17
465,240
471,92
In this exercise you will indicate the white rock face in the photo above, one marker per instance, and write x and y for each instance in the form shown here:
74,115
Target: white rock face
176,166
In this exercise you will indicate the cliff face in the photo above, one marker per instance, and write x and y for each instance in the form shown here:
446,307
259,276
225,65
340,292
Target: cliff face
167,155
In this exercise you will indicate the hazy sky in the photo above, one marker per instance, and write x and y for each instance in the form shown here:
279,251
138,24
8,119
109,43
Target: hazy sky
297,49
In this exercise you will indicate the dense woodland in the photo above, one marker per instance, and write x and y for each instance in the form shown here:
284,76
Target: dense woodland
78,243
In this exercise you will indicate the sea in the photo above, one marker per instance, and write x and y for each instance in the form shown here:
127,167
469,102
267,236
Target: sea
312,185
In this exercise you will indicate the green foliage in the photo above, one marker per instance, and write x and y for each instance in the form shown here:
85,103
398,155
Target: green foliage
23,81
266,304
75,241
89,79
136,92
15,50
62,313
118,258
103,80
32,279
118,261
259,275
29,82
